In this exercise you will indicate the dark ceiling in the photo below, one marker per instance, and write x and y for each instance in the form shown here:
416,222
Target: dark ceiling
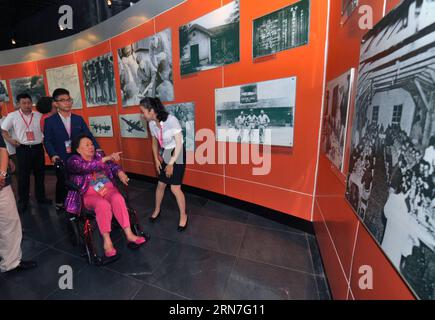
31,22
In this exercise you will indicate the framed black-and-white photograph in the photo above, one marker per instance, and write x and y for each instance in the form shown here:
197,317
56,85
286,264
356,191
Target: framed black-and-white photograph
259,113
66,77
133,126
101,126
145,69
391,182
347,8
4,94
211,40
185,113
335,117
34,86
99,81
283,29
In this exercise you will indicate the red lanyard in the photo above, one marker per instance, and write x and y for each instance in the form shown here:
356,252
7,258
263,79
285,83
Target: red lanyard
161,136
27,124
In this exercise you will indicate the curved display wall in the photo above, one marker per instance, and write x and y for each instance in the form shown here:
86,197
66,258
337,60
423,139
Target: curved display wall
204,49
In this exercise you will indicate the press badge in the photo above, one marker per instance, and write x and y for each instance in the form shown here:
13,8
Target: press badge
68,146
100,188
30,135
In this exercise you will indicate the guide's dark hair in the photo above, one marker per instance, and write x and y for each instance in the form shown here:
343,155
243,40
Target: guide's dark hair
59,92
23,96
44,105
156,105
76,141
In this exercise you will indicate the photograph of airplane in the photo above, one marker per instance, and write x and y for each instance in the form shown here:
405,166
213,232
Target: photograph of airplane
133,126
101,126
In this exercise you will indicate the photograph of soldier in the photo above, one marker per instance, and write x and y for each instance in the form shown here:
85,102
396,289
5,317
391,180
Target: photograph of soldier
185,113
145,69
98,78
258,113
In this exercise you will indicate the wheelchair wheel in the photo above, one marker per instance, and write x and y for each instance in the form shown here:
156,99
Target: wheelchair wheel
75,235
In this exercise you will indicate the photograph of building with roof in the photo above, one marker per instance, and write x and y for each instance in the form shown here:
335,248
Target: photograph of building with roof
210,41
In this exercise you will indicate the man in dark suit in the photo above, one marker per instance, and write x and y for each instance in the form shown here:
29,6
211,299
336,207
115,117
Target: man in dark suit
59,131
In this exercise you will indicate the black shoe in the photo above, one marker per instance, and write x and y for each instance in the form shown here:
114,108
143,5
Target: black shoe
154,219
25,265
182,228
45,201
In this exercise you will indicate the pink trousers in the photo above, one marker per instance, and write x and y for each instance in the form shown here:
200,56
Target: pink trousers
104,206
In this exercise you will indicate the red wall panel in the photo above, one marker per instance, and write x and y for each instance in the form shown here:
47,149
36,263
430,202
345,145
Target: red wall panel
339,217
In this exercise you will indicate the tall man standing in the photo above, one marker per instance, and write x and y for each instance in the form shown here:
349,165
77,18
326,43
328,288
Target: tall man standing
30,152
59,131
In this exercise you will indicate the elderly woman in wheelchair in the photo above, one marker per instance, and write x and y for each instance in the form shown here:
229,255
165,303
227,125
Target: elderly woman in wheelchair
94,174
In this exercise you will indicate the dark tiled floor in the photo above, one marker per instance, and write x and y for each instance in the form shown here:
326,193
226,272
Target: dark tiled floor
225,253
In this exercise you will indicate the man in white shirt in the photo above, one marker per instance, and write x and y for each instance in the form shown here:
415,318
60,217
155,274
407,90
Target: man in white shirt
263,122
29,149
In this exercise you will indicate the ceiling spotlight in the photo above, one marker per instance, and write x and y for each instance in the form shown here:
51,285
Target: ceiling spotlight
13,41
61,27
109,3
131,3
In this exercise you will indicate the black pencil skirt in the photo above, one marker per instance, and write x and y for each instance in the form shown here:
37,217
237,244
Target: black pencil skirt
179,167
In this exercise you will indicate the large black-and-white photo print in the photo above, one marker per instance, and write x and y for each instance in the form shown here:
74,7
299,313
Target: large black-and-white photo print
338,94
392,163
259,113
145,69
33,86
4,95
99,81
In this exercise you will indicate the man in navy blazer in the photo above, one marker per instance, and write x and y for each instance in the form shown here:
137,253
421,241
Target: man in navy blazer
59,131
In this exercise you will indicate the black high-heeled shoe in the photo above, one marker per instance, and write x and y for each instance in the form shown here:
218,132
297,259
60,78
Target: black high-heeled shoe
182,228
154,219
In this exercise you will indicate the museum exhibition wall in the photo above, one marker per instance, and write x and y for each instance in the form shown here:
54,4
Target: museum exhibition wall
343,109
373,212
208,50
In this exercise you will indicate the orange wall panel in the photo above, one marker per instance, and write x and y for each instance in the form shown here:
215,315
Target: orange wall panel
338,282
342,221
387,283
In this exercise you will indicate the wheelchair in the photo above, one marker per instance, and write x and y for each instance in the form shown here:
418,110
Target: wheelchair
83,229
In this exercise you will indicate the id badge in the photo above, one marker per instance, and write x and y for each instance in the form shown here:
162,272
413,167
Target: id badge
68,146
101,189
30,135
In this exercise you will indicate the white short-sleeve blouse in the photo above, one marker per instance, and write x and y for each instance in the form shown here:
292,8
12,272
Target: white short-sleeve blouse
170,128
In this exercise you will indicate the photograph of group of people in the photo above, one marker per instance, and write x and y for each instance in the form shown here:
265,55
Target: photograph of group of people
145,69
99,81
259,113
391,179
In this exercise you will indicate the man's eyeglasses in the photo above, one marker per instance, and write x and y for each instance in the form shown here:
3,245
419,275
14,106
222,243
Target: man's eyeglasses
71,100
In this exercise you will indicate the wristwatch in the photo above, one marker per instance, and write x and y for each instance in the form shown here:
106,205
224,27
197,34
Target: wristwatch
3,174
